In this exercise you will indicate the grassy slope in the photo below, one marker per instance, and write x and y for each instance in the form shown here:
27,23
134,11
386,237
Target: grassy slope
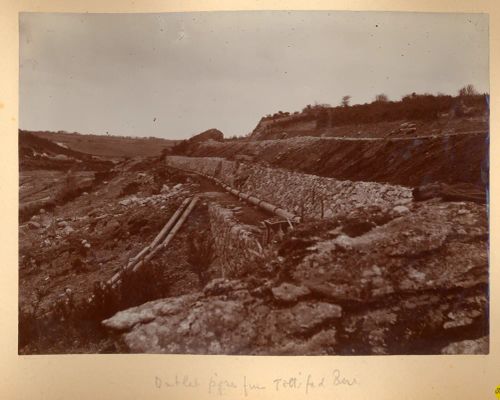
109,146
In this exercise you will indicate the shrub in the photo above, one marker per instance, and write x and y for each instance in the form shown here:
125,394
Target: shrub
69,190
382,98
70,319
27,211
468,90
345,101
201,254
165,152
27,326
130,188
102,176
180,148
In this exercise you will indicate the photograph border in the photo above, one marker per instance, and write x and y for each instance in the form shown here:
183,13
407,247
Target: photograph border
129,376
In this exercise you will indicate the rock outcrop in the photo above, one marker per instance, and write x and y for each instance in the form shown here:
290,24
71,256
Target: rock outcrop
210,134
372,281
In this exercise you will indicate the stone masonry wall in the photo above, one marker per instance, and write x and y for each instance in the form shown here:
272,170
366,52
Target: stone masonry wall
308,196
236,245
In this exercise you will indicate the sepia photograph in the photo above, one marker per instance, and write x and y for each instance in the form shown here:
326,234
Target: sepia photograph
282,183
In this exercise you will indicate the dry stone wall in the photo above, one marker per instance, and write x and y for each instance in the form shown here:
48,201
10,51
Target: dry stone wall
205,165
308,196
236,245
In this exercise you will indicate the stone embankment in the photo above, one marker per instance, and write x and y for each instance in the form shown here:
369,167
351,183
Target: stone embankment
237,245
308,196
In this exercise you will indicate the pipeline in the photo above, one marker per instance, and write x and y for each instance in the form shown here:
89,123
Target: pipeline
280,212
165,235
170,235
169,224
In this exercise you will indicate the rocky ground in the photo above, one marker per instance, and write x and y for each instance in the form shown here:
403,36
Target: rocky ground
392,277
411,280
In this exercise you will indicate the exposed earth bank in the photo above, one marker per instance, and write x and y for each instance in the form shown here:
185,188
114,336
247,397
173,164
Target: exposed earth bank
406,161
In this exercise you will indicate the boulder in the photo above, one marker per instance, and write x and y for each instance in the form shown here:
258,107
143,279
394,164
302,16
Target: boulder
128,201
68,230
233,323
34,225
400,210
455,192
210,134
476,346
289,293
303,318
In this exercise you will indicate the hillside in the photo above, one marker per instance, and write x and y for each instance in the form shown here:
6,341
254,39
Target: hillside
108,146
418,140
409,161
424,114
38,153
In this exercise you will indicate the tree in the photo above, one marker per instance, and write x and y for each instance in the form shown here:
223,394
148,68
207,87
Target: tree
345,101
381,98
468,90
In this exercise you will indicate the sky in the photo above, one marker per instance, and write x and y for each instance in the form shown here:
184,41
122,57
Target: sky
173,75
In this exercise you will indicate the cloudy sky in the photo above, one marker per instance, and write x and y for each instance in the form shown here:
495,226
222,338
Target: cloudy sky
174,75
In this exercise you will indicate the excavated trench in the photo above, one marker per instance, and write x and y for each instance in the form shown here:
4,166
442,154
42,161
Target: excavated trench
79,301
